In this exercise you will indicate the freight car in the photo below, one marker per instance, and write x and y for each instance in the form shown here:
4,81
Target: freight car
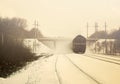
79,44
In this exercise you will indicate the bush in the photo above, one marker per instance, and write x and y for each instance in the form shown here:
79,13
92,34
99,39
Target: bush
13,56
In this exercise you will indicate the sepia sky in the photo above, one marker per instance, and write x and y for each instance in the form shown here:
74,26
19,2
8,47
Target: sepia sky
64,17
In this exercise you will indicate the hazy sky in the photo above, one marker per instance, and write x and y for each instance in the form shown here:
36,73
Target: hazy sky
64,17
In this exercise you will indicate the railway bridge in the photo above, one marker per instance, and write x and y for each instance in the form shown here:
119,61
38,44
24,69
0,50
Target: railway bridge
58,44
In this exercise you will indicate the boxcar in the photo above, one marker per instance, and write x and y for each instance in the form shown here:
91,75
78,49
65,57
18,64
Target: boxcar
79,44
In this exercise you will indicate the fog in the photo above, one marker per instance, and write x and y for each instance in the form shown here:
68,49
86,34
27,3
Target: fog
57,17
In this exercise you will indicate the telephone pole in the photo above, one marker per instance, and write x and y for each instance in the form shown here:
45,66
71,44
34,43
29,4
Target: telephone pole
35,35
105,38
96,27
87,29
36,25
105,28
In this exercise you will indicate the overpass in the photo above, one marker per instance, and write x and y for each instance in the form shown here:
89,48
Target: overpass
53,40
58,44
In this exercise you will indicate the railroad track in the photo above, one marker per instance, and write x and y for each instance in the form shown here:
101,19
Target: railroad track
105,59
77,67
57,73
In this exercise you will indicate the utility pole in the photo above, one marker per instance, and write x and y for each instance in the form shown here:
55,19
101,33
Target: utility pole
105,27
87,29
96,30
35,35
35,23
105,38
96,27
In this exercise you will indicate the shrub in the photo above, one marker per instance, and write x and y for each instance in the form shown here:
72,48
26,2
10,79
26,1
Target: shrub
13,56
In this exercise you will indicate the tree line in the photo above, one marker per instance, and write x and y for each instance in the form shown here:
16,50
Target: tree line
102,35
13,54
107,43
16,28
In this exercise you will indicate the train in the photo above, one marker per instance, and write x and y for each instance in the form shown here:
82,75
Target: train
79,44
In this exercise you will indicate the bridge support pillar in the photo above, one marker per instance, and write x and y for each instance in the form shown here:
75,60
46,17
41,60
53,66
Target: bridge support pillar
54,44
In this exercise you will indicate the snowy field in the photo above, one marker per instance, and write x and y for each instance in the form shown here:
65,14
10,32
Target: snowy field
66,68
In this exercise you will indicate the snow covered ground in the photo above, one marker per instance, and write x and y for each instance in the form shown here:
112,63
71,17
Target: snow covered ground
37,46
43,71
104,72
70,74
